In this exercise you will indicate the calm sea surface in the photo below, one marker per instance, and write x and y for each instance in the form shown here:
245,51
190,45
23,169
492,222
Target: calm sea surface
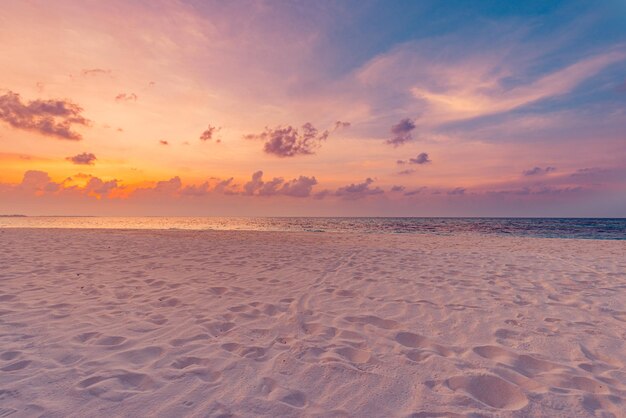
528,227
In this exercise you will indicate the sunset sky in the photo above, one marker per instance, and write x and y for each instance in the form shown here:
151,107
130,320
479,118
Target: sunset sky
386,108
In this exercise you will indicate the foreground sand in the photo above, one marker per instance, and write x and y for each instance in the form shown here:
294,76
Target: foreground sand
175,323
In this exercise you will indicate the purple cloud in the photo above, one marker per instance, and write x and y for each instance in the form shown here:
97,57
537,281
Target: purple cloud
208,133
83,159
422,158
398,188
271,187
406,172
170,186
99,187
539,191
538,171
415,191
253,185
48,117
124,97
38,181
225,186
193,190
401,132
458,191
300,187
288,141
358,191
341,125
95,71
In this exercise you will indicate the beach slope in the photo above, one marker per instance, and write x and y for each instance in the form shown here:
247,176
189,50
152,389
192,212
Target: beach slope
224,323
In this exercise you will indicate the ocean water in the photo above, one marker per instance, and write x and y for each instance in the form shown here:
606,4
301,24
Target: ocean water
600,228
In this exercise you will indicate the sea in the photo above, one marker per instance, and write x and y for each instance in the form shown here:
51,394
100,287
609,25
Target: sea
579,228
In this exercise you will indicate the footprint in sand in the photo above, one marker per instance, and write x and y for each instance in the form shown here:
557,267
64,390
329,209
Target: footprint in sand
142,355
218,291
296,399
184,341
19,365
418,356
489,390
354,355
9,355
218,328
251,352
111,341
117,386
408,339
8,393
184,362
373,320
524,364
86,336
267,385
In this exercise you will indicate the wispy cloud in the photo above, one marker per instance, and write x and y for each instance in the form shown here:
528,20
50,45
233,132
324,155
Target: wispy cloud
95,72
487,92
341,125
126,97
538,171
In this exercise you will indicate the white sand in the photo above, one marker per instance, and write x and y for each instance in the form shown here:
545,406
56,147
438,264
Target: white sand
174,323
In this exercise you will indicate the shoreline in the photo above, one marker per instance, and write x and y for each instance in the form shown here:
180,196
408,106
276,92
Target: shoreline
337,233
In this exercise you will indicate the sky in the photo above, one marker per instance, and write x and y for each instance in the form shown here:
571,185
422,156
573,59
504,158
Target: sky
313,108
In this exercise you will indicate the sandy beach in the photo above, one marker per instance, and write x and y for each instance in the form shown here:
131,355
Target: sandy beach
102,323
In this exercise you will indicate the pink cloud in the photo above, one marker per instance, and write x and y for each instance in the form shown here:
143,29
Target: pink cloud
37,181
83,159
287,141
48,117
126,97
300,187
401,132
359,190
209,132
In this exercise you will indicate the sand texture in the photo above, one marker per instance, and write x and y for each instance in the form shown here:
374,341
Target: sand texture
180,323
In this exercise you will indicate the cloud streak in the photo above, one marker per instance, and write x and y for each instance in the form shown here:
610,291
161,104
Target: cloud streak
538,171
126,97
